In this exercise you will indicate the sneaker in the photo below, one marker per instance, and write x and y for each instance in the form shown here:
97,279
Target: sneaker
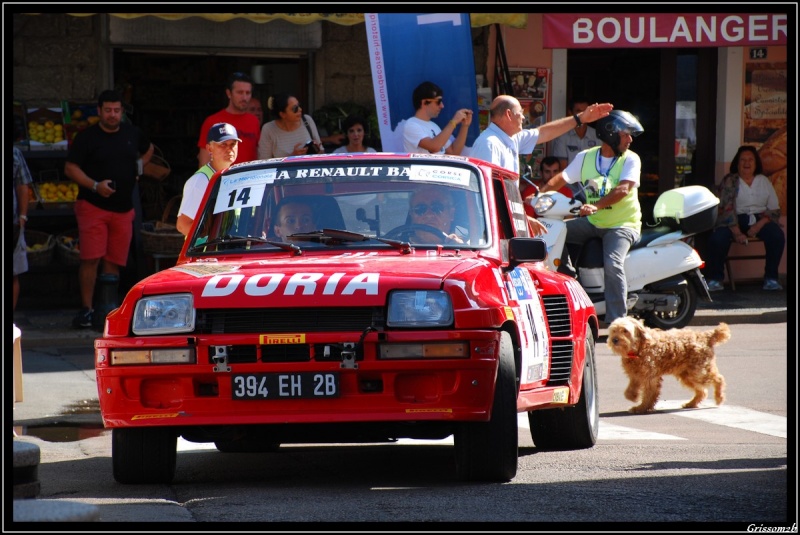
772,284
83,319
715,286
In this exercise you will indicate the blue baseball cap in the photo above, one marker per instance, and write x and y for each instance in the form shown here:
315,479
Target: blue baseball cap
222,132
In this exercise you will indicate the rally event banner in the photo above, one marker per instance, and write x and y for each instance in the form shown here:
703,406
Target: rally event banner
407,49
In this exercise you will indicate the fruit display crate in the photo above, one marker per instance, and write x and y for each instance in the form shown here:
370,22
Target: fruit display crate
46,129
56,195
40,248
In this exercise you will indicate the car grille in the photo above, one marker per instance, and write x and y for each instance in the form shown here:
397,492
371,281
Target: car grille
558,316
560,362
556,308
283,320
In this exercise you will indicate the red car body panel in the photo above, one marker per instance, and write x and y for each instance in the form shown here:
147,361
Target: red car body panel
487,297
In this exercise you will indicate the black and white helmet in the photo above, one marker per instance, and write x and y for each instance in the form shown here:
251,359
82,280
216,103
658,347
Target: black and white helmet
609,127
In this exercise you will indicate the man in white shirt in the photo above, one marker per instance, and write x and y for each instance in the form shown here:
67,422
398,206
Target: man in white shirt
222,147
422,135
566,146
504,139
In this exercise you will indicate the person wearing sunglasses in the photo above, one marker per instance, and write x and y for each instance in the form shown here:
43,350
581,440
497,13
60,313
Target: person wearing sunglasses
422,135
291,132
431,213
239,90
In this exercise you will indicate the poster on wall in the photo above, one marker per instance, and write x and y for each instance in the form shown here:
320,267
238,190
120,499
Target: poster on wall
765,108
530,87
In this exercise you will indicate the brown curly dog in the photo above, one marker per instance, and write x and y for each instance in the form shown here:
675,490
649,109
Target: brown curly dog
649,354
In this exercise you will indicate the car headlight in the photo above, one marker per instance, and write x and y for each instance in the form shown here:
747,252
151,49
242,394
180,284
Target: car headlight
164,314
543,204
419,308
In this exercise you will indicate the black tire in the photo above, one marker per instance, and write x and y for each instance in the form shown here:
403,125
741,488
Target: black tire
246,446
488,451
680,318
144,455
576,427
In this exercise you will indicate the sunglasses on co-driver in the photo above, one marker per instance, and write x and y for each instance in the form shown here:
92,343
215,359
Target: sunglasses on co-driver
436,207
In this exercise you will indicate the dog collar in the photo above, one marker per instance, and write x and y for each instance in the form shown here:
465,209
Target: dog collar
633,356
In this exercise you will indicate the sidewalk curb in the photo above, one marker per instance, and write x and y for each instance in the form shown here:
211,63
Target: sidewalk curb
755,315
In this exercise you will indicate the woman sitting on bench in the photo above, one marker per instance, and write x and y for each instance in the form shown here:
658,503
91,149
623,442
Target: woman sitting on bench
748,208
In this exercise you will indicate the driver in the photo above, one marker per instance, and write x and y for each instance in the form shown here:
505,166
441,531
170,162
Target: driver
293,217
432,207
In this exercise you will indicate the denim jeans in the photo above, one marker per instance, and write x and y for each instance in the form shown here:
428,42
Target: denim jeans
616,244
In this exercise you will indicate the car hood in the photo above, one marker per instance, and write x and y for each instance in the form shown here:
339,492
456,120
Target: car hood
342,280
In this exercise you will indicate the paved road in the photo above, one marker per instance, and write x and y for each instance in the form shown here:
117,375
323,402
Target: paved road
60,388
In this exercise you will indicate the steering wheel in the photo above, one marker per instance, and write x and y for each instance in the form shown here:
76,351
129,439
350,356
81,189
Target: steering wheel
410,228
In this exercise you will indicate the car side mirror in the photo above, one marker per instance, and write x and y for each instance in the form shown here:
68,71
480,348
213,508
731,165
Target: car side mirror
521,250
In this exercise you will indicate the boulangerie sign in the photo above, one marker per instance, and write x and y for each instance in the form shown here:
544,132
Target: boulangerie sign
663,30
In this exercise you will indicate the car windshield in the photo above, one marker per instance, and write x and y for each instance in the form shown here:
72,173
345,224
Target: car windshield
296,204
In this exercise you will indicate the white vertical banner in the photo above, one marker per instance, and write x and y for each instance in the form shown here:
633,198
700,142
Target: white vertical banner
406,49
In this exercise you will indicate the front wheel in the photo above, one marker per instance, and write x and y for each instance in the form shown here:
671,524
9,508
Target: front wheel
144,455
488,451
571,428
680,318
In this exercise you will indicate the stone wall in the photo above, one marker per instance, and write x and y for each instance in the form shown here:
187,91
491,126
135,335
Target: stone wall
343,70
55,58
60,57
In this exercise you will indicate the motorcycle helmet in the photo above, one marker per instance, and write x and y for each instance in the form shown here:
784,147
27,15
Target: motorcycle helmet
609,127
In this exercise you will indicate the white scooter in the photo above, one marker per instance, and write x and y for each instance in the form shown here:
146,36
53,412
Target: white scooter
664,279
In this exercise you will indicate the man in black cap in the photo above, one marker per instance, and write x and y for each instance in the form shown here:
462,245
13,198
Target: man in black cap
422,135
222,144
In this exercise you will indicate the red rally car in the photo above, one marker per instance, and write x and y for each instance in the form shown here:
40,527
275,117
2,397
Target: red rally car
352,298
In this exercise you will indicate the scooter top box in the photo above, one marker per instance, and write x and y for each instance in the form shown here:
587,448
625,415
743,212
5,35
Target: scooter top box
693,209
